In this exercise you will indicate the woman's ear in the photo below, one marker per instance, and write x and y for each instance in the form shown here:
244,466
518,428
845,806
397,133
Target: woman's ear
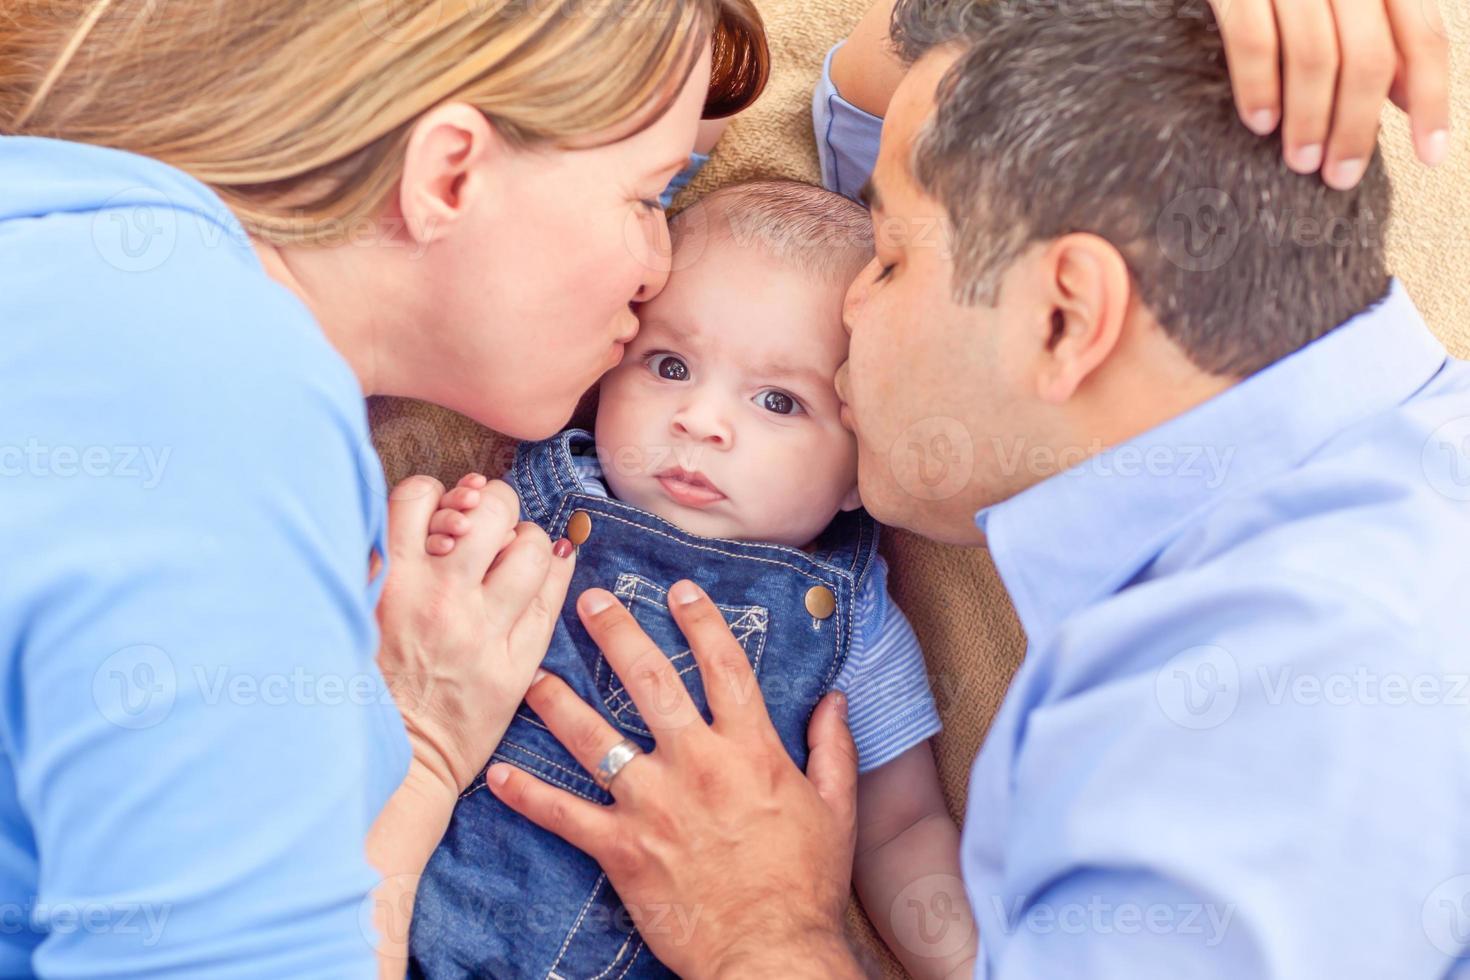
1087,291
853,499
441,178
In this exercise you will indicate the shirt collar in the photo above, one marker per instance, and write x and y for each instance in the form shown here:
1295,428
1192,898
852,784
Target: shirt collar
1084,533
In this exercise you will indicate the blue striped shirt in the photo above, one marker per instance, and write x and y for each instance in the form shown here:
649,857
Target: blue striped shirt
890,707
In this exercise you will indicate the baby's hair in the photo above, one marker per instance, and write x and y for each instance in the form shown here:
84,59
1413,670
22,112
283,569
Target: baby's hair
814,230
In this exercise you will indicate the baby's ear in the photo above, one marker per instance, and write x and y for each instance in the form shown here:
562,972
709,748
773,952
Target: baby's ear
853,500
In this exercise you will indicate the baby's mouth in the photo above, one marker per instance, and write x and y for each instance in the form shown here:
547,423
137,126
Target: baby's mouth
689,488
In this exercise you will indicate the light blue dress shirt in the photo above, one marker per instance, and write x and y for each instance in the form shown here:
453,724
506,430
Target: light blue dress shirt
1239,744
194,737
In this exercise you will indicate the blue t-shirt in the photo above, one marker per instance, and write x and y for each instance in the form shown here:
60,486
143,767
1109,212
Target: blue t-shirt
195,735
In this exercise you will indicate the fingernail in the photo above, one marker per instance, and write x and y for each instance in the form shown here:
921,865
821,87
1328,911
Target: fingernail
538,675
594,602
1262,122
497,774
683,593
562,549
841,700
1345,174
1436,147
1306,159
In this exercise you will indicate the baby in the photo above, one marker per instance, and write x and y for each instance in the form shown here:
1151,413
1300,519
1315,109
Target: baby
720,455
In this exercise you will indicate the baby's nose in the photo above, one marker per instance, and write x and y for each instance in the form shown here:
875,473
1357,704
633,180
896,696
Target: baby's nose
704,423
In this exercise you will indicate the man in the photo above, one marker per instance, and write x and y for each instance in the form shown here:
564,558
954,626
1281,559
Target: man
1221,465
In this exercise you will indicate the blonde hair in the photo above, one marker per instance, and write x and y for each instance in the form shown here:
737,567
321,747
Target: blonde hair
297,112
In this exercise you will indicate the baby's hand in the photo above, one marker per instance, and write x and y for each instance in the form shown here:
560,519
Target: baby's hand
455,517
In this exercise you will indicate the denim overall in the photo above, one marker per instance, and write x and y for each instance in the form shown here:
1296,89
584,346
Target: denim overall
503,898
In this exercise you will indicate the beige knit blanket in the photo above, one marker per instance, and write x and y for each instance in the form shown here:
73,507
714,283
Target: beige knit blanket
971,637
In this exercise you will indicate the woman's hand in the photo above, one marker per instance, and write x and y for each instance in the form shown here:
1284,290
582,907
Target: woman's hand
466,617
729,859
1333,63
467,613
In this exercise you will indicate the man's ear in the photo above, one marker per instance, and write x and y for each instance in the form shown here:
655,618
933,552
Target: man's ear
439,182
1087,289
853,500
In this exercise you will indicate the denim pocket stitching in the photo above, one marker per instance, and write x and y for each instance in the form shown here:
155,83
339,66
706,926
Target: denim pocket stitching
750,620
570,788
621,950
567,942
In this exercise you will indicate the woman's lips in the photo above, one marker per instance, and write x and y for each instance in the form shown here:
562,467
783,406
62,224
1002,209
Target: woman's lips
689,489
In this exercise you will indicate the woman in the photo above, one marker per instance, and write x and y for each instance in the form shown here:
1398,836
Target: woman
220,226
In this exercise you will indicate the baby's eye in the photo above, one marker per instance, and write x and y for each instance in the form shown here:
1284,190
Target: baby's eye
778,402
669,367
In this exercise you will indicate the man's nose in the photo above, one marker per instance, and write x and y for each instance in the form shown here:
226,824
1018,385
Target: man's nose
857,294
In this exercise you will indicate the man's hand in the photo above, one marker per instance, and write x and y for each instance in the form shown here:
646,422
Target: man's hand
1334,62
716,830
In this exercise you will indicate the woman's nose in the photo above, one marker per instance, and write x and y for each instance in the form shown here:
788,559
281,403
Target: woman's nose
656,260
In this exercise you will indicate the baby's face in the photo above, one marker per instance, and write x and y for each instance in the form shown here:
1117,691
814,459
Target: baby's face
722,417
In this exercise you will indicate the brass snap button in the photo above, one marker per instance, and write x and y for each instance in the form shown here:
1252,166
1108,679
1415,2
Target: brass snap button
820,602
579,528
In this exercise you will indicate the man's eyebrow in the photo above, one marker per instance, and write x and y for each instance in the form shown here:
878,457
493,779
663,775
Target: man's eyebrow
870,197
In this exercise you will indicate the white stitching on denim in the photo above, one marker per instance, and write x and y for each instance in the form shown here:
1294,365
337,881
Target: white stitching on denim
621,949
632,959
576,925
705,547
537,755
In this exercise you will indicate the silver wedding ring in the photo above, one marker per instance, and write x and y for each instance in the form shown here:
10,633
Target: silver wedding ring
617,757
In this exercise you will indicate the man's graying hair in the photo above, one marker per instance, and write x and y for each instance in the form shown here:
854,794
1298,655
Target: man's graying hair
1115,117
